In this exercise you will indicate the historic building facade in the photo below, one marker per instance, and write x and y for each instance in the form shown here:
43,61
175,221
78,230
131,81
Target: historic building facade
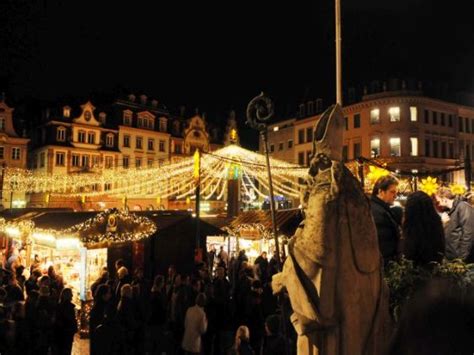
13,154
131,133
405,129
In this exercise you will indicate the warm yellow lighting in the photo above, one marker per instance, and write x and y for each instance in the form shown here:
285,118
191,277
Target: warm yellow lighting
429,185
276,129
68,243
458,189
375,173
233,134
43,237
197,164
13,231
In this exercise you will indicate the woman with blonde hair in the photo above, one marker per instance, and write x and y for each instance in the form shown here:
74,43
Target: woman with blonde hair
242,342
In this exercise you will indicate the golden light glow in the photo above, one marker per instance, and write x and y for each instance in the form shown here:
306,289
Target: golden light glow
429,185
375,173
458,189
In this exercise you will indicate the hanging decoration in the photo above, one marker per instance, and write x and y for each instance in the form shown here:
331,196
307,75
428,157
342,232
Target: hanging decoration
375,173
429,185
458,189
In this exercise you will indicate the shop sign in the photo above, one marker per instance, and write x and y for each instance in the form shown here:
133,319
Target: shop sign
250,233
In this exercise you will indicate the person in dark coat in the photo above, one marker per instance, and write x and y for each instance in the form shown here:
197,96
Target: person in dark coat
14,291
32,282
127,318
66,324
100,310
274,341
262,267
459,230
423,234
388,230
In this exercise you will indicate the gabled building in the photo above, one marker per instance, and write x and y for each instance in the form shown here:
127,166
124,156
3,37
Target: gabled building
13,154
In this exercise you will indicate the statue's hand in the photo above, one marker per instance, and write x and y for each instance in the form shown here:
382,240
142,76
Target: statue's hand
277,283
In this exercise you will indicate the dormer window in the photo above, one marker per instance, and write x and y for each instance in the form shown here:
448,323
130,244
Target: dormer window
66,111
61,134
109,140
91,138
127,118
163,125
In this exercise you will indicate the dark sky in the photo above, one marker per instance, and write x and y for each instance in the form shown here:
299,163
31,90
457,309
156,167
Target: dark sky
218,55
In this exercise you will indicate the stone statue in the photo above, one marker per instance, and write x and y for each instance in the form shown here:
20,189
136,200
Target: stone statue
333,274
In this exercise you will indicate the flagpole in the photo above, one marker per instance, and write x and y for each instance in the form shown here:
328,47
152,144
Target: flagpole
338,53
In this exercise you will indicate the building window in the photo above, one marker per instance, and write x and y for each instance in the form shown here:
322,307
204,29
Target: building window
290,143
301,158
309,134
345,153
2,123
162,147
151,144
414,146
374,116
435,117
442,119
81,136
427,148
139,143
163,126
85,160
125,162
356,150
59,159
178,149
467,125
300,136
346,123
126,141
394,114
461,124
109,140
427,116
138,162
308,157
96,160
127,118
451,150
280,146
272,148
450,120
140,122
61,134
91,138
150,163
357,120
2,152
109,162
75,160
107,186
42,159
375,148
435,149
16,153
395,150
443,150
413,114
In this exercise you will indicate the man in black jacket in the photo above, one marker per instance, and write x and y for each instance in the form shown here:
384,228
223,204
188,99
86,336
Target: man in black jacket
388,230
459,230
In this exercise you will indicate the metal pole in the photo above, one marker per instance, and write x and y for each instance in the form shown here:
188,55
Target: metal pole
4,165
338,53
197,176
272,199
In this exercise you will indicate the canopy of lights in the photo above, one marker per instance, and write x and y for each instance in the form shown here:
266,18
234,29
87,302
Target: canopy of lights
174,179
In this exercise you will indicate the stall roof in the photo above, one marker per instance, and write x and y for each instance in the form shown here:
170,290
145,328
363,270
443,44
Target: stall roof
287,220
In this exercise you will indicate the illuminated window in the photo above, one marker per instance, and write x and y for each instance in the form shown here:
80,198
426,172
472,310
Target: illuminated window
139,143
91,138
60,159
138,162
413,114
109,140
374,116
394,113
109,162
414,146
81,136
61,134
125,161
66,111
16,153
374,147
395,150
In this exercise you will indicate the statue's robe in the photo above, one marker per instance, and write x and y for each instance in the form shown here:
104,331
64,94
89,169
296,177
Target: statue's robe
333,274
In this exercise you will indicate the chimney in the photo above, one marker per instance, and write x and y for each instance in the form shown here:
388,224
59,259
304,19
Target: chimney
143,99
154,103
131,98
66,111
102,117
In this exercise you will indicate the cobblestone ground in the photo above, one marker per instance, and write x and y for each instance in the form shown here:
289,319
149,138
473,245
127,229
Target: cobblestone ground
80,346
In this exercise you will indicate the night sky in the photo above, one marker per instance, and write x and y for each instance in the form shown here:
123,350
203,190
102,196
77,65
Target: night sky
217,56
